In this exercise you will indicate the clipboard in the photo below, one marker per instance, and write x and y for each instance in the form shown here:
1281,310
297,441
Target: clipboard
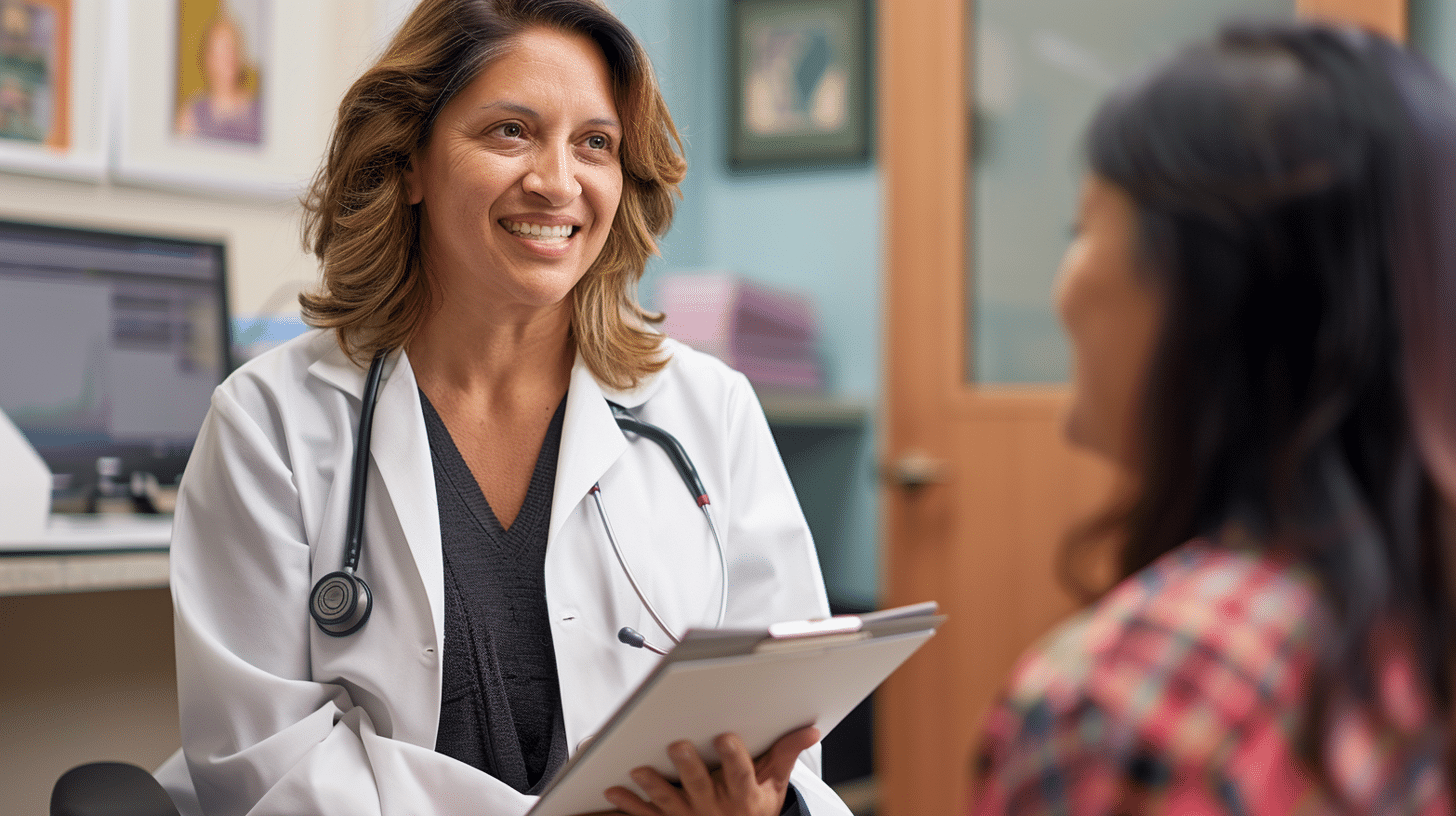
761,684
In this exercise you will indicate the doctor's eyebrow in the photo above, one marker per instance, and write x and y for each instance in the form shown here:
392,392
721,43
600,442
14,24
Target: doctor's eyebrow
528,112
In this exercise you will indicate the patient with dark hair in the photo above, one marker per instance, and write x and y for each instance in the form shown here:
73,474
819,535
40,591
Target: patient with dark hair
1261,297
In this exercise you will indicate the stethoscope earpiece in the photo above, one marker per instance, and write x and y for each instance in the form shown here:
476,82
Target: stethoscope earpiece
634,638
340,603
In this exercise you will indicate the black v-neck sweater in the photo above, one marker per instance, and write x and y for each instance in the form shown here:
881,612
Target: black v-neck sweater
500,704
500,701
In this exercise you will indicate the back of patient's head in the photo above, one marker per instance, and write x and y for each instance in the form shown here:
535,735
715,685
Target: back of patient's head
1296,200
1295,192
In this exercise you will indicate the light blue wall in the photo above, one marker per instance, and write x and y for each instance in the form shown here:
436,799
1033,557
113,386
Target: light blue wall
814,231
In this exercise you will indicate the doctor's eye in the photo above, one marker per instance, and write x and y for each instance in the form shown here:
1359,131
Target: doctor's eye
598,142
510,130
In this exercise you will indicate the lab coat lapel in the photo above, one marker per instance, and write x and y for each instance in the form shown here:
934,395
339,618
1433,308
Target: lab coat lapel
401,452
590,443
586,605
336,369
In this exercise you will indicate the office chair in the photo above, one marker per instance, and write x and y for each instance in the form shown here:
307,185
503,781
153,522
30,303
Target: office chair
109,789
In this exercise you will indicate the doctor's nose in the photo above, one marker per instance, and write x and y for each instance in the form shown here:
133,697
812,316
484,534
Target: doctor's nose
553,176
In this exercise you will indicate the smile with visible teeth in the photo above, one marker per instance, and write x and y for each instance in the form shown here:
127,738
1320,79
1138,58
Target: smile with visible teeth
537,232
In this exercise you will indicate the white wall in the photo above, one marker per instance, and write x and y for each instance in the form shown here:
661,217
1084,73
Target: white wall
264,248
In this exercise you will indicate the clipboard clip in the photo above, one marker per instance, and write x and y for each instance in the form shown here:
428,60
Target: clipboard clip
839,625
794,636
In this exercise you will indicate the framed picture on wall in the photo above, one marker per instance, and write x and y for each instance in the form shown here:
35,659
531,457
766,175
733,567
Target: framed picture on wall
799,83
223,96
52,107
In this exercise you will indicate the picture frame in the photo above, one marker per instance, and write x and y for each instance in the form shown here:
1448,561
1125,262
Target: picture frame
263,137
799,83
54,110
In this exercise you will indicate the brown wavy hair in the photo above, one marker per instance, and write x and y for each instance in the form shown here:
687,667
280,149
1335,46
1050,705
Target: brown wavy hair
358,220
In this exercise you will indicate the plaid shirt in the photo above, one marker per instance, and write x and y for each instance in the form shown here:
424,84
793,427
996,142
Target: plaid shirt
1183,691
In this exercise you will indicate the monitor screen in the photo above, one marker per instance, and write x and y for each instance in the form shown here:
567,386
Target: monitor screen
110,346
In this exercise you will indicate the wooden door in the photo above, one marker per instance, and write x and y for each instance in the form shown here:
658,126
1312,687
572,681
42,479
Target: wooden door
980,487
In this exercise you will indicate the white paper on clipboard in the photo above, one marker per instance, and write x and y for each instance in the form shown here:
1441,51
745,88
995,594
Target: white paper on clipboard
754,684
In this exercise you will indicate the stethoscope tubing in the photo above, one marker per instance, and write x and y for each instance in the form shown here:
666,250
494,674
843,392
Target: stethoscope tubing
354,530
722,567
341,602
596,493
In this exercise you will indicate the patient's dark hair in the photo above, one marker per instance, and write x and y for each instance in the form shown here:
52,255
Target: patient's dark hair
1295,191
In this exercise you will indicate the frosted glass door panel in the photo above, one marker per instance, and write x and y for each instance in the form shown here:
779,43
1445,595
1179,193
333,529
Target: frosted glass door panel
1038,69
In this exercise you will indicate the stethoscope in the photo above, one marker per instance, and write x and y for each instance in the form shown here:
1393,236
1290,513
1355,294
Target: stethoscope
341,601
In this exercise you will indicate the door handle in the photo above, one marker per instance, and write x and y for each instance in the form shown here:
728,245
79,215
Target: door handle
915,469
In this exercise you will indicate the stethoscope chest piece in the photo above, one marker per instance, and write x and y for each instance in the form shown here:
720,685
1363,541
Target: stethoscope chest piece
340,603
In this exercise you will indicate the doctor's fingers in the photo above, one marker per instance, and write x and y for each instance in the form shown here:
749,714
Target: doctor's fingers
702,790
628,802
740,776
665,799
778,762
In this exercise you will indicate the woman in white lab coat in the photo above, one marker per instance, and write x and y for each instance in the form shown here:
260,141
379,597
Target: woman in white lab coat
492,191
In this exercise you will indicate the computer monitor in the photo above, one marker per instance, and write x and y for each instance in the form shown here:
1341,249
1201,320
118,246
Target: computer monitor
110,347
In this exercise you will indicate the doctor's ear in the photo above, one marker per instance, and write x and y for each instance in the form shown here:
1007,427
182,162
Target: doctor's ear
414,186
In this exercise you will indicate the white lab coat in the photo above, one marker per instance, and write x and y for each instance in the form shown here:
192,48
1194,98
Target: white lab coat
279,718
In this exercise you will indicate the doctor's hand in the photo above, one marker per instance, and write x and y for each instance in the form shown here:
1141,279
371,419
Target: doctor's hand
742,787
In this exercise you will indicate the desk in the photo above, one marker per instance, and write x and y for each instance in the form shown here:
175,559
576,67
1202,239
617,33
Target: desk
88,553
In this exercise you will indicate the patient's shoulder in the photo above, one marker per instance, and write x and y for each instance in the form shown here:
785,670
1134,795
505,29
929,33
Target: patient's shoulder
1232,623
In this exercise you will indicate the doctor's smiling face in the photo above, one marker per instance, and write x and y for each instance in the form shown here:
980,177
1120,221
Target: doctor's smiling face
521,176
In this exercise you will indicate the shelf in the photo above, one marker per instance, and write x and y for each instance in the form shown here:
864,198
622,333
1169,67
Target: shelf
813,410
